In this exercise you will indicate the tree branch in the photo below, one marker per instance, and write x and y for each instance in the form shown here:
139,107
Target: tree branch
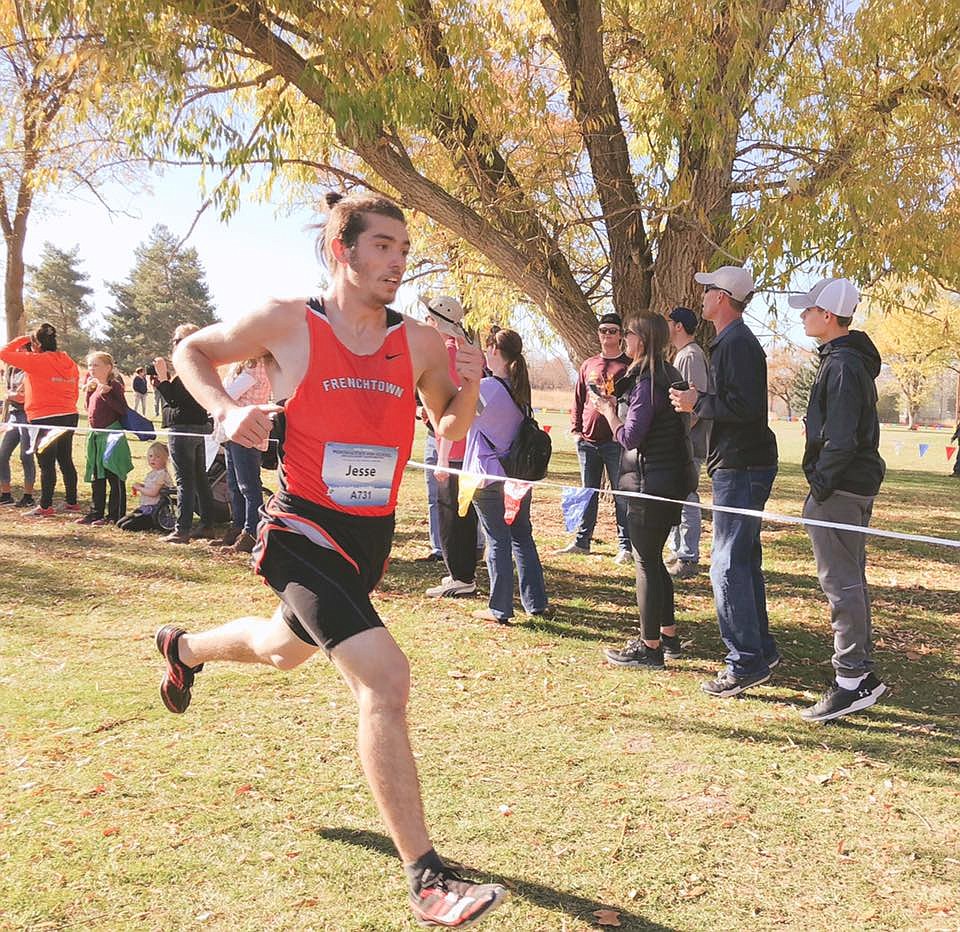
579,39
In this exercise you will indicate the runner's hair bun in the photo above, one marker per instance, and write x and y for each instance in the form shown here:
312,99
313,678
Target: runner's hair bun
333,197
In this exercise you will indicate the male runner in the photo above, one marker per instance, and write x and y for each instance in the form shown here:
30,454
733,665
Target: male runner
348,367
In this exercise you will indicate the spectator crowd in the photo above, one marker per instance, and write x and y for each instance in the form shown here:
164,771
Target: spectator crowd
649,411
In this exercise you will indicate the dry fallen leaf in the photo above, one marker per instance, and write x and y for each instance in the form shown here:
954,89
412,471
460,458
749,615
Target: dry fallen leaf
113,830
692,893
245,788
607,917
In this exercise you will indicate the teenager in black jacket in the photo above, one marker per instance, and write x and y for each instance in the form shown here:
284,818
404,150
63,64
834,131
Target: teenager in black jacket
842,463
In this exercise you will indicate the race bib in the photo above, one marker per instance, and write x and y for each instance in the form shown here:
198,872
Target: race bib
359,476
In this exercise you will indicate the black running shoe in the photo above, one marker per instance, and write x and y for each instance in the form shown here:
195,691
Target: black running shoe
177,681
6,498
25,501
446,900
671,646
726,684
837,701
636,654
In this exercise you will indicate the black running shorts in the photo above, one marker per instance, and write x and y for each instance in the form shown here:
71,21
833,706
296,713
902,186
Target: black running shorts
325,592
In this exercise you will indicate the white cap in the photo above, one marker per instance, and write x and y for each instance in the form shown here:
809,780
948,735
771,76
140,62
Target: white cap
447,313
840,297
734,280
809,299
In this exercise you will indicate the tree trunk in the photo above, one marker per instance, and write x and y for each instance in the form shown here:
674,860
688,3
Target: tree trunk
13,279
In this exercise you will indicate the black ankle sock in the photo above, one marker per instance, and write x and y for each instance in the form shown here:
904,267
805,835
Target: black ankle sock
429,861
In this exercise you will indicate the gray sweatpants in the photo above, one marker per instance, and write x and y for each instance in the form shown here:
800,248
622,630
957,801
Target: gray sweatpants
841,566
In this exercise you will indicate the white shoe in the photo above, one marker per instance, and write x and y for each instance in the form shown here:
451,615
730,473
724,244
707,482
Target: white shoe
452,589
573,548
623,557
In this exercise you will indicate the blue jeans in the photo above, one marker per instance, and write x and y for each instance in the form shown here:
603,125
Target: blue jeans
736,569
594,457
8,443
685,537
433,509
243,480
506,543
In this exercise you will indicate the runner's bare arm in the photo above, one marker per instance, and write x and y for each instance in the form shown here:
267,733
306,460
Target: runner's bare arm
267,330
451,411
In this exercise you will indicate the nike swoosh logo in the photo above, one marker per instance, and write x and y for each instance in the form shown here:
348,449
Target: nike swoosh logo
394,356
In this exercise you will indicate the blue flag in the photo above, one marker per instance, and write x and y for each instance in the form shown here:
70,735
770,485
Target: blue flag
923,448
574,503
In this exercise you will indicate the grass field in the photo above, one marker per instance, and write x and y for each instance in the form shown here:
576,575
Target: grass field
584,788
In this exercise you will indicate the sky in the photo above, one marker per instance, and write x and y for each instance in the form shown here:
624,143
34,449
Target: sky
265,251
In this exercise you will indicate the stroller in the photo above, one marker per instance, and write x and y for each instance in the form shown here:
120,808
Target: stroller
164,513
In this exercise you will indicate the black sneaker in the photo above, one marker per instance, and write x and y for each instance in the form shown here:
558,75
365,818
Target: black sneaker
6,498
671,646
636,654
773,662
726,684
177,681
837,701
25,501
445,899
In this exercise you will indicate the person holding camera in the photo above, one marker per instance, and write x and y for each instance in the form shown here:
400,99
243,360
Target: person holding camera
51,388
655,459
188,422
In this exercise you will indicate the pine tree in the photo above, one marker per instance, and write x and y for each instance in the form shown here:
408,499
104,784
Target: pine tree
165,288
57,294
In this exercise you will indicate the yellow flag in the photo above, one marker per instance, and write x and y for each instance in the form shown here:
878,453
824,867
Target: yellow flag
468,485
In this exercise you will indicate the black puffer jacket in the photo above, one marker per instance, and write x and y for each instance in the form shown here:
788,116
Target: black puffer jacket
843,432
661,464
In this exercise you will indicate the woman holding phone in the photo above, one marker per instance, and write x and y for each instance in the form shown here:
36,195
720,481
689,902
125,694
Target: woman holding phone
656,459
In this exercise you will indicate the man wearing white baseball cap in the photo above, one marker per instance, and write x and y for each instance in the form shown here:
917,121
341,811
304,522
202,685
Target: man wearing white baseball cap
842,463
742,464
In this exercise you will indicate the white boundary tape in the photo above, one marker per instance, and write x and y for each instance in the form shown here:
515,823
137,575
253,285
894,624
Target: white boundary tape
748,512
544,483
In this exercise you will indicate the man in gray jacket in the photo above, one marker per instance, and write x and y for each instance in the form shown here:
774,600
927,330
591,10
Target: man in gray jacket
691,361
842,463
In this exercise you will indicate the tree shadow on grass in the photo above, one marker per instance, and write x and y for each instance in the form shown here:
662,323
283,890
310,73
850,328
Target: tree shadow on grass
576,907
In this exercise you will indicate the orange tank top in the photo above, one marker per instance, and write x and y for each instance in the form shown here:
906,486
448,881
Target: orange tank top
350,421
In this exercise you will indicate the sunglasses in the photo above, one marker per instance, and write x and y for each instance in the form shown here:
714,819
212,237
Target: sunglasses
608,331
709,288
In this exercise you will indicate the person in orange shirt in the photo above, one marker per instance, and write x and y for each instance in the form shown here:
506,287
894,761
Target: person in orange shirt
51,387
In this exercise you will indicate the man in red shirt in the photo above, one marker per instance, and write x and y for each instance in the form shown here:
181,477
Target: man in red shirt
596,448
349,368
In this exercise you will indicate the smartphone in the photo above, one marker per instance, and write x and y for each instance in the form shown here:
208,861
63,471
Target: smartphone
595,388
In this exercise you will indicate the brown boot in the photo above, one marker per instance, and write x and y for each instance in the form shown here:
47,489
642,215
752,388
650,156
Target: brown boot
244,543
228,539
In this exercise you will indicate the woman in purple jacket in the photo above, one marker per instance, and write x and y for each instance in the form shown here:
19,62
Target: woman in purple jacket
490,436
656,459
